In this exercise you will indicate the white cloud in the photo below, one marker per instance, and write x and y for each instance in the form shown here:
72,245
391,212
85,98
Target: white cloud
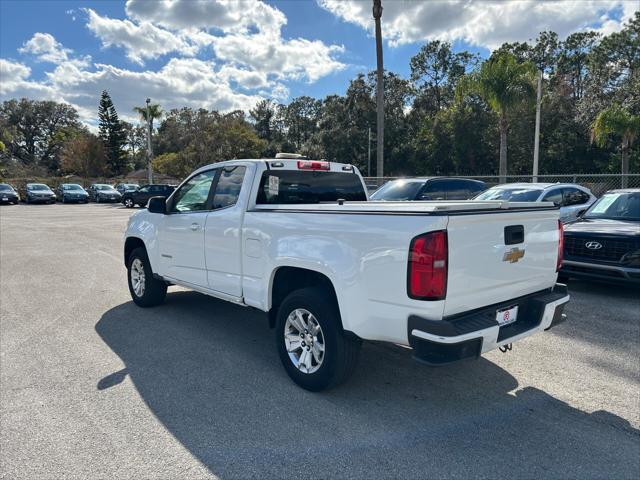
483,23
14,77
141,41
248,38
291,59
181,82
248,59
47,49
225,15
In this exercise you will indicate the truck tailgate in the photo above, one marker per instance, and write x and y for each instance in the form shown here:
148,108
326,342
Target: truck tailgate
485,269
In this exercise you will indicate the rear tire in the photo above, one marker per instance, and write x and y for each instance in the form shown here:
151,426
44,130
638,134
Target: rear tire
311,367
146,291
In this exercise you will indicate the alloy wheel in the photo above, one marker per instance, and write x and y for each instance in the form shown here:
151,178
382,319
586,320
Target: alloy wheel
304,341
138,278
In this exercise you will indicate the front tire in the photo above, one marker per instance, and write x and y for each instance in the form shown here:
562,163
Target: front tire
311,343
146,291
128,203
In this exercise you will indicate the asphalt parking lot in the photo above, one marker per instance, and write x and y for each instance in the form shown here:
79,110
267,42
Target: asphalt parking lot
92,386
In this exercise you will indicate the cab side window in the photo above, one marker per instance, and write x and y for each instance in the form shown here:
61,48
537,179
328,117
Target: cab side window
554,196
193,195
574,196
228,187
433,190
144,189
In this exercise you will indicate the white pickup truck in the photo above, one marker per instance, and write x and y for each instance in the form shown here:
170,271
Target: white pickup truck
299,239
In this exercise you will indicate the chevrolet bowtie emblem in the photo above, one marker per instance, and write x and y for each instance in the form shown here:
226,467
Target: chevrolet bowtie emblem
513,255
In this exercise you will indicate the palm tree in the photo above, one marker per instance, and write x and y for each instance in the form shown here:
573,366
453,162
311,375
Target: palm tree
502,83
617,122
147,114
154,112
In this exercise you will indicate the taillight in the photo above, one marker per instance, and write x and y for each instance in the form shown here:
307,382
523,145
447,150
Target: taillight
427,270
560,246
312,165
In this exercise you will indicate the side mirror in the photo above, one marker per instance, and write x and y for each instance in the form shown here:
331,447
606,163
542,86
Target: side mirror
157,205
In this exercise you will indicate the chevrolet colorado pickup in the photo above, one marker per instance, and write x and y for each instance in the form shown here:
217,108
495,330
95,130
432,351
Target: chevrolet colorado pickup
300,240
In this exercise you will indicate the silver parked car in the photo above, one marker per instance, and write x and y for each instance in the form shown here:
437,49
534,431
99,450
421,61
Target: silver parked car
572,199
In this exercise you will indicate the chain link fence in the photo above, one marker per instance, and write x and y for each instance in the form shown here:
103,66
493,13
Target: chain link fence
597,183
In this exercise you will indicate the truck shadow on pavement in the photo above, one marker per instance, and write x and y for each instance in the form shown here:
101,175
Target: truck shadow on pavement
208,370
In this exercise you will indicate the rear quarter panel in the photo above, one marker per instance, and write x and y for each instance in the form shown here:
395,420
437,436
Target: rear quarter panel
364,256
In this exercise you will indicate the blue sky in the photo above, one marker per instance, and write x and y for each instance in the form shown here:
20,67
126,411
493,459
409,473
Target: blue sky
229,54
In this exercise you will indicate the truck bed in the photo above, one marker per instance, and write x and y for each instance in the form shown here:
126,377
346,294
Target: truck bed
411,208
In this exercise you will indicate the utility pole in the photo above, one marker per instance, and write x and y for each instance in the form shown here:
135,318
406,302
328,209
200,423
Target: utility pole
377,13
536,142
369,154
149,149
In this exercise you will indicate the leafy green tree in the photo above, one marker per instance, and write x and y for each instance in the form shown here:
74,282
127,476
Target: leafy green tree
112,134
188,139
84,154
435,70
573,60
136,145
503,84
34,131
616,122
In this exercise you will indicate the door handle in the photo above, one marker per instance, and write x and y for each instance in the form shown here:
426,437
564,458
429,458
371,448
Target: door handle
195,226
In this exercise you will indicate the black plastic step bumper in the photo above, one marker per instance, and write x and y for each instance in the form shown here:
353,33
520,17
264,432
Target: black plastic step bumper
468,335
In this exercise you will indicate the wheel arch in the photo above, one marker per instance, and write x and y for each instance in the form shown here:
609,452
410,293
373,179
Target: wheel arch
286,279
130,244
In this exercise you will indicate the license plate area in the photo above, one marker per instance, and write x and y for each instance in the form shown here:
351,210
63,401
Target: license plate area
507,316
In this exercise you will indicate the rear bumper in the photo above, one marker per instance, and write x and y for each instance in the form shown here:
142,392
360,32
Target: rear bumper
468,335
612,273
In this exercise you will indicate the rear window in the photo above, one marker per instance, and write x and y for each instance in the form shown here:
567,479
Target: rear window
512,195
300,186
397,190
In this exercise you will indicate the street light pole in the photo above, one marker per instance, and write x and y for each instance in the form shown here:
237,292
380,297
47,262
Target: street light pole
369,154
149,148
536,143
377,13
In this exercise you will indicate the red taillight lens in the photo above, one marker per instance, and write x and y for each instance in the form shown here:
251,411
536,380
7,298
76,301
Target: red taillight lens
427,272
560,246
311,165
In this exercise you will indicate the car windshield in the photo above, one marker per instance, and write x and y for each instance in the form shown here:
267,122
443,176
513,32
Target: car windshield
37,186
397,190
5,188
616,206
130,186
520,194
104,187
71,186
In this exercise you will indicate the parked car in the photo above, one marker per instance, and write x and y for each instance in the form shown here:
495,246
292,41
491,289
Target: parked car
437,188
142,195
39,193
8,194
297,239
571,198
125,187
101,192
604,243
72,192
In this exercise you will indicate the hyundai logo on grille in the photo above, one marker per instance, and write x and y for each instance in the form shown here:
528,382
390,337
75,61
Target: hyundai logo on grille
593,245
